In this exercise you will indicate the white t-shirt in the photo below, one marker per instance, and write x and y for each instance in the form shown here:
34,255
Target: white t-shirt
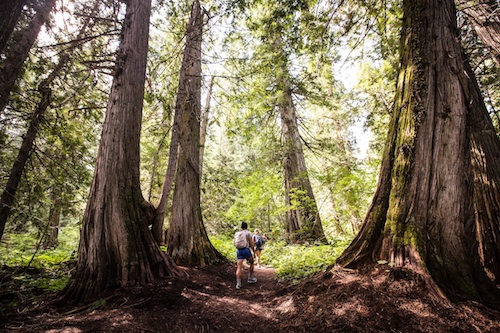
248,235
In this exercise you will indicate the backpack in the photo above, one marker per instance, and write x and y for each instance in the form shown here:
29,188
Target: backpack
240,239
258,241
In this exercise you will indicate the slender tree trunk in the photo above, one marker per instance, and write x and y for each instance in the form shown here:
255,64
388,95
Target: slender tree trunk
50,240
45,91
161,210
338,226
116,245
156,163
484,17
302,217
9,193
204,123
13,64
435,206
187,242
10,11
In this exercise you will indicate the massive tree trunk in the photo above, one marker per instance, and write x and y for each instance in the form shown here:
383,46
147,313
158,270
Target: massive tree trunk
116,245
484,16
10,11
187,240
437,202
13,64
303,223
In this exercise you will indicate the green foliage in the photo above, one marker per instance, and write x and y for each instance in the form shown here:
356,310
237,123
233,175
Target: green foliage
26,273
295,262
256,200
224,244
21,250
19,285
62,158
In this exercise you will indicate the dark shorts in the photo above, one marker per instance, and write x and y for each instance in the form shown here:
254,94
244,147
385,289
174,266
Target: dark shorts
244,254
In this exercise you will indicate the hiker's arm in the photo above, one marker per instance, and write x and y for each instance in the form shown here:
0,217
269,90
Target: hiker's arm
251,242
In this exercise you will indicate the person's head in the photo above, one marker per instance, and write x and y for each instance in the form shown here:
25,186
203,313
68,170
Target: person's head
256,231
244,225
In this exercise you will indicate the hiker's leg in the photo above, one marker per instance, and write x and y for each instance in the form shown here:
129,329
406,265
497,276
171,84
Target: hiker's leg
239,265
239,268
250,261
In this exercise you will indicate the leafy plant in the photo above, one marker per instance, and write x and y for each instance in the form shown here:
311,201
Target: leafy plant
224,244
295,262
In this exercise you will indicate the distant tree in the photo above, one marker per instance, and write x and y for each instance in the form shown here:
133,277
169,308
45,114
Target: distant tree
433,210
9,192
44,91
273,66
13,63
116,245
10,11
303,222
50,237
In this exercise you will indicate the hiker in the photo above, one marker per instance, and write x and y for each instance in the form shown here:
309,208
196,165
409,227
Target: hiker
258,241
243,241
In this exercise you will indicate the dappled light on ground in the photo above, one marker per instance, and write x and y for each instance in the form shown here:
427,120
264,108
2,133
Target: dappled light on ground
334,301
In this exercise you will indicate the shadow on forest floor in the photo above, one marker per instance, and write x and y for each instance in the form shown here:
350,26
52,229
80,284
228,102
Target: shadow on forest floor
207,301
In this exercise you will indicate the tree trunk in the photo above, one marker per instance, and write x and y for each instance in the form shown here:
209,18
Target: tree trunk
435,207
161,210
204,123
9,193
45,91
303,223
187,242
10,11
50,239
484,17
116,245
13,64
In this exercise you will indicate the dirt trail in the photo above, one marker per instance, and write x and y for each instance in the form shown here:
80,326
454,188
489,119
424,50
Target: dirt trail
207,301
236,310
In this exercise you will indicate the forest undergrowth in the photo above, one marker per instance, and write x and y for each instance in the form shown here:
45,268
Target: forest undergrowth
382,299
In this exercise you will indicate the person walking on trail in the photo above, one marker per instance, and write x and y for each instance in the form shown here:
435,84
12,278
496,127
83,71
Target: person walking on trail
258,241
243,241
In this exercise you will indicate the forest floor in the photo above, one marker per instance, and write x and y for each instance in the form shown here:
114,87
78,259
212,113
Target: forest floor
207,301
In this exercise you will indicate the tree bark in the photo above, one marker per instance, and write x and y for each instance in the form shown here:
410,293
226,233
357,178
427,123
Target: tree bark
116,246
10,11
13,64
187,242
484,17
303,223
204,123
161,210
435,203
50,239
